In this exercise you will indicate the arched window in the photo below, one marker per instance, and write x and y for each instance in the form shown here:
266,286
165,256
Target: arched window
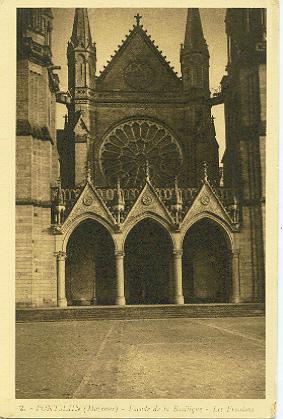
48,37
81,70
196,71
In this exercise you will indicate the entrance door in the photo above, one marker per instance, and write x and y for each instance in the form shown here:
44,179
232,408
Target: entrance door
147,255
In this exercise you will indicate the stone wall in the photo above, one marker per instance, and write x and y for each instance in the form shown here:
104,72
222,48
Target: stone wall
37,169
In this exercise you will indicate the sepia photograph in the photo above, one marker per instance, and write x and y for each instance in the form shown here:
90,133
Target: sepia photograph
140,205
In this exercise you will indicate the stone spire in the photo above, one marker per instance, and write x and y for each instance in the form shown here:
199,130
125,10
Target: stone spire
194,56
81,36
81,54
194,39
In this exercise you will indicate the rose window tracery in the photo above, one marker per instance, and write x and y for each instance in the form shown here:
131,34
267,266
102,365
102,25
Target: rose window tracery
131,147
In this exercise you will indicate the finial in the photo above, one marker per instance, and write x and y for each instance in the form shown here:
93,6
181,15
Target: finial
177,204
88,173
176,182
205,175
118,184
235,209
59,182
177,191
138,18
118,202
147,171
235,200
60,199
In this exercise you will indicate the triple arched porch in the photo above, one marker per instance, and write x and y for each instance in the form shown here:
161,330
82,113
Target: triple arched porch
147,263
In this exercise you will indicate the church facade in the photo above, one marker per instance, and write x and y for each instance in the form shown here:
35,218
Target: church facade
127,204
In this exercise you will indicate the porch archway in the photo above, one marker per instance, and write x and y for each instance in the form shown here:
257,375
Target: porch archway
207,264
90,265
148,249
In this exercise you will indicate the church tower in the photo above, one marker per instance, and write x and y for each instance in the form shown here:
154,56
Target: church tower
244,92
194,58
36,158
81,54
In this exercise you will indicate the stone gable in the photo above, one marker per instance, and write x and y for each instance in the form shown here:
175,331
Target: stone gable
207,202
149,203
138,66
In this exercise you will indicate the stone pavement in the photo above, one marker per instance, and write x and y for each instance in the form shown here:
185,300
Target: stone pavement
170,358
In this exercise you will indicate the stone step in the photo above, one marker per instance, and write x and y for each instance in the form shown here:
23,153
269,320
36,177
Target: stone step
135,312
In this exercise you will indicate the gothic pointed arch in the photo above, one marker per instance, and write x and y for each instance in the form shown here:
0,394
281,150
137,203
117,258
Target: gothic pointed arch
89,280
151,217
81,70
207,202
148,249
207,263
148,205
87,204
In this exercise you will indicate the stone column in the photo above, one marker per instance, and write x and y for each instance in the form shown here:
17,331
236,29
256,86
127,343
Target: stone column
178,297
235,295
171,279
120,282
94,299
61,288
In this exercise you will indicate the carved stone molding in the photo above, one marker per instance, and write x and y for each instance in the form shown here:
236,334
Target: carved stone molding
205,200
139,75
87,200
119,254
61,255
147,200
178,253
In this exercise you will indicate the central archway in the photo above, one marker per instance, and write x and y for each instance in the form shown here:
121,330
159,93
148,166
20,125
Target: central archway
207,275
148,249
90,265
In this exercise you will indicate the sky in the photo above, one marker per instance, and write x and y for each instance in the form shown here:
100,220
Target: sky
166,26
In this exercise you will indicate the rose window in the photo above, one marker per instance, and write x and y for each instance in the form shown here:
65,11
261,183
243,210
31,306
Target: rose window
131,147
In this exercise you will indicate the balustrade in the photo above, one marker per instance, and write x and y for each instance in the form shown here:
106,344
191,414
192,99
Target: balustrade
63,200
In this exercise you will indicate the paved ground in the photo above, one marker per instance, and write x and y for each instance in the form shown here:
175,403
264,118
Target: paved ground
176,358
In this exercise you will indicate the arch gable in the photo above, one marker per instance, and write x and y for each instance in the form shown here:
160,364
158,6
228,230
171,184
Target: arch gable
219,221
206,201
81,128
88,204
80,219
148,215
149,204
207,264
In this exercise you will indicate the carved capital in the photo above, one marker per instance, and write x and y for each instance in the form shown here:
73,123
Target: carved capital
177,253
56,229
60,256
117,228
119,254
235,253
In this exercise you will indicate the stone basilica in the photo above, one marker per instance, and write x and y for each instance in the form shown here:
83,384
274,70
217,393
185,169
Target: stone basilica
127,204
